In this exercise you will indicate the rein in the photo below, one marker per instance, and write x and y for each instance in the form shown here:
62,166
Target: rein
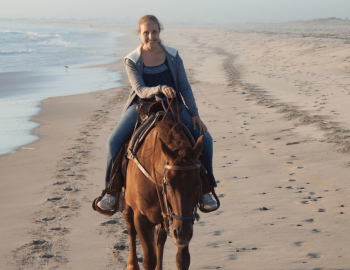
170,215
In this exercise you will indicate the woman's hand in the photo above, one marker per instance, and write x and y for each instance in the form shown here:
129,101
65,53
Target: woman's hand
169,92
198,121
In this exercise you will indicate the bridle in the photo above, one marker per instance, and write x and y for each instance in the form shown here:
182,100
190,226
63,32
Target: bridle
168,216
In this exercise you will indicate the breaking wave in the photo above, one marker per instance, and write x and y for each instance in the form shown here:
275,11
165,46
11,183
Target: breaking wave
16,51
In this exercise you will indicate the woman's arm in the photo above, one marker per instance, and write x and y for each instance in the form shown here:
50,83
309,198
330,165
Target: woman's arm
186,92
137,82
185,88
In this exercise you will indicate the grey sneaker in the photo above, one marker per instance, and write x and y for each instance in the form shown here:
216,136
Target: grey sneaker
208,202
108,203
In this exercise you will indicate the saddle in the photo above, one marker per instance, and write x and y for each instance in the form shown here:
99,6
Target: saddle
149,114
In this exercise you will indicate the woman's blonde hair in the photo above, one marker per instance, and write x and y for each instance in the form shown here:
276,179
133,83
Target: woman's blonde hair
148,18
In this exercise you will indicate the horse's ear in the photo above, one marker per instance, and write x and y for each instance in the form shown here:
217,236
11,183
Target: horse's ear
197,149
168,153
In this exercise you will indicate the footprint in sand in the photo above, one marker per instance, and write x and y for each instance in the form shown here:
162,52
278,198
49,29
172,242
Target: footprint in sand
60,183
300,243
217,213
56,229
315,255
310,220
317,230
47,256
48,219
109,222
119,246
54,199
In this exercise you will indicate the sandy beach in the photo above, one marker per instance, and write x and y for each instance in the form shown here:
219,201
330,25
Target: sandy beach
275,100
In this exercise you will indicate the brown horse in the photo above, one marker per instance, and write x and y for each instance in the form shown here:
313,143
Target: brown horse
170,203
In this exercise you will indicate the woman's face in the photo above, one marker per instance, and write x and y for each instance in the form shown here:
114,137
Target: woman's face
149,34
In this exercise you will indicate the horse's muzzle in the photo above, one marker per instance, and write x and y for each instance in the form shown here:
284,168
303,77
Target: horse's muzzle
182,232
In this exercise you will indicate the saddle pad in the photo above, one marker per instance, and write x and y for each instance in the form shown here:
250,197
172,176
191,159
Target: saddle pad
142,131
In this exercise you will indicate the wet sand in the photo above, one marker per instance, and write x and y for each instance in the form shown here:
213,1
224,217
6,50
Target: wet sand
276,104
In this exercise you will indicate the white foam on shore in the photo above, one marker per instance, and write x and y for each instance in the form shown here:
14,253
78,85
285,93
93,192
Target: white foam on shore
15,124
33,69
33,47
17,51
17,110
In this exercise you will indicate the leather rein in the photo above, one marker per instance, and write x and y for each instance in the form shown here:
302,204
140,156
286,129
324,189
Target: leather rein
168,216
165,183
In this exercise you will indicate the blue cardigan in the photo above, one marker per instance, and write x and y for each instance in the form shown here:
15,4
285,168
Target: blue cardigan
134,67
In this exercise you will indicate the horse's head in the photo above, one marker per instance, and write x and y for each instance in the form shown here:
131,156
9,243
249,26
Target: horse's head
182,187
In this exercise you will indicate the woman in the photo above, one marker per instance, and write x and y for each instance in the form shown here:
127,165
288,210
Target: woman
154,68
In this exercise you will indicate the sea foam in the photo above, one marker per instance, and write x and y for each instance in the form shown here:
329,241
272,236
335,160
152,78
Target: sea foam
40,62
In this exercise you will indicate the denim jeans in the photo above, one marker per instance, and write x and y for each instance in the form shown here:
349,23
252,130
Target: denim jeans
125,127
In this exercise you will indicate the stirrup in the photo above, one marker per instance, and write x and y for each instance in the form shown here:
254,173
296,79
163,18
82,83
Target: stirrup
99,210
201,204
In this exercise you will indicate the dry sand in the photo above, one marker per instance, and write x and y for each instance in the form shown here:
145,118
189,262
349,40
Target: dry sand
276,103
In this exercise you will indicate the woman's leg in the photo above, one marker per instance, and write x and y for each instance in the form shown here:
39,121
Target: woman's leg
207,152
120,134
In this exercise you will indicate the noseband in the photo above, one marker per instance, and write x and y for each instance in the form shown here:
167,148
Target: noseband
170,213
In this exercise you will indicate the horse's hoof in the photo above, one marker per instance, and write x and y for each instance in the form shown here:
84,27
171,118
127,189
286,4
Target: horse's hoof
132,267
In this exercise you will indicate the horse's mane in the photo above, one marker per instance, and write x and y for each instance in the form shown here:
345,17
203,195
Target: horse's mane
170,133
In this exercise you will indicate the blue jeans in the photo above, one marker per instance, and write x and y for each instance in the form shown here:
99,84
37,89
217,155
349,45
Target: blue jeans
125,127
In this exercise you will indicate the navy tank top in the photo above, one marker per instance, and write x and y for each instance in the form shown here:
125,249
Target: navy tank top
154,76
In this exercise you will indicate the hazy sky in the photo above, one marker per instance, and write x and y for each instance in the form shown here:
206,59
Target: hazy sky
179,10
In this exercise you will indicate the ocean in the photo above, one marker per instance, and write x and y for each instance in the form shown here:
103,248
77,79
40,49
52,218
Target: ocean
38,62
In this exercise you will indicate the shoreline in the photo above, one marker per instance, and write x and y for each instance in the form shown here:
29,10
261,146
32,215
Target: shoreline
59,119
75,70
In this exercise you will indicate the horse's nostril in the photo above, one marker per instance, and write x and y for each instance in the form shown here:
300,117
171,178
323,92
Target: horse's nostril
175,233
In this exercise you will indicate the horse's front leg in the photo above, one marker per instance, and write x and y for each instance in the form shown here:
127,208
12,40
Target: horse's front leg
133,263
183,258
144,230
159,242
